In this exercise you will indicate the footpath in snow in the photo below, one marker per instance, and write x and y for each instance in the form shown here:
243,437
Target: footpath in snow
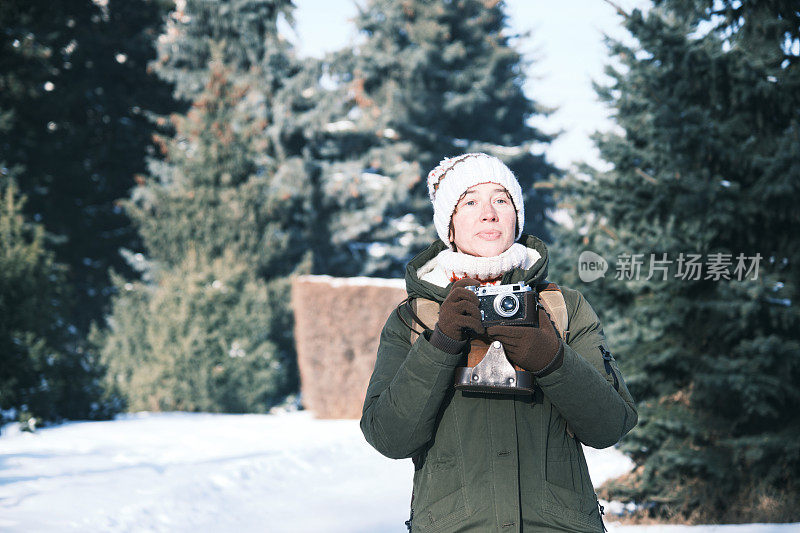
180,472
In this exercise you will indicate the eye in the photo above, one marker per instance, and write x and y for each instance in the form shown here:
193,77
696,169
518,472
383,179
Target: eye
470,202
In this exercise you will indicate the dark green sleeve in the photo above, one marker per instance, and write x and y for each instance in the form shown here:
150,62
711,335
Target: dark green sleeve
588,389
405,391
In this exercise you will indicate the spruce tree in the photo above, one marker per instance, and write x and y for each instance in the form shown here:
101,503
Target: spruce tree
222,221
708,164
429,80
74,81
44,374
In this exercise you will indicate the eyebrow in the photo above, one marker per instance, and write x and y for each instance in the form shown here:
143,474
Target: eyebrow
499,189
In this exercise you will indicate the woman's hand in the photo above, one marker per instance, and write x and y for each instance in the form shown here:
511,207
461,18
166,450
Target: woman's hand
537,349
458,316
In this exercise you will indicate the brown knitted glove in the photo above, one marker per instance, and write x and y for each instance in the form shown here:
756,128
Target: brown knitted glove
458,315
537,349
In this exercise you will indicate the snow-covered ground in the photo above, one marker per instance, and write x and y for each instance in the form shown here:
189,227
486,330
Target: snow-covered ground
200,472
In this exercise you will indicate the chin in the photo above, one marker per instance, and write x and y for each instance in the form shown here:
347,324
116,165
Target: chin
490,250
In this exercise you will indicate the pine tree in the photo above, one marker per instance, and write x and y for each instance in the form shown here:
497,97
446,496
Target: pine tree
242,36
429,80
44,374
73,77
242,33
207,336
222,221
709,163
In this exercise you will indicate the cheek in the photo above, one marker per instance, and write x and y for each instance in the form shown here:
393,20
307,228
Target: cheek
460,222
510,219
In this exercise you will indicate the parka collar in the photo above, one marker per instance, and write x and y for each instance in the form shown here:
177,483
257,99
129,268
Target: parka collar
418,288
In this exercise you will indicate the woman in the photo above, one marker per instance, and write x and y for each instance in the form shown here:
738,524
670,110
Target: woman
492,462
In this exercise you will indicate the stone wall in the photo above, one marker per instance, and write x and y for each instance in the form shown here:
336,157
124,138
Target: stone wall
338,322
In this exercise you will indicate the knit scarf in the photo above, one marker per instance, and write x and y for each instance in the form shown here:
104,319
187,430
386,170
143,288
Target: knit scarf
451,266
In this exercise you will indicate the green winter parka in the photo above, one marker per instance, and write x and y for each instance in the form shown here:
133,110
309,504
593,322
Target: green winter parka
488,462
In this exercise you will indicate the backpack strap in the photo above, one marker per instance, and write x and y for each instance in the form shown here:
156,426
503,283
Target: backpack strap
425,312
553,301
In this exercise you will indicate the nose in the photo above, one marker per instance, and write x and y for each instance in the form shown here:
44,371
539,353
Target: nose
488,213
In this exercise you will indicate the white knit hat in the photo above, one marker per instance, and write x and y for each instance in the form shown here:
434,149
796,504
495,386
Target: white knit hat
454,175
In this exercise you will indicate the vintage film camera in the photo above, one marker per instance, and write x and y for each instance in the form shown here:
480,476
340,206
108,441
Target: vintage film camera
488,369
514,304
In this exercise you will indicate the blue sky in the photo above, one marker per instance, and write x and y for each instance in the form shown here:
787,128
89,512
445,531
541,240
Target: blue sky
566,44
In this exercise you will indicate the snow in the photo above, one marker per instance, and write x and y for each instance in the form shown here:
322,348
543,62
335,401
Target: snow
180,472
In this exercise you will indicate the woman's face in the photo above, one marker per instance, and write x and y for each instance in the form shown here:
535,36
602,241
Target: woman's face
485,221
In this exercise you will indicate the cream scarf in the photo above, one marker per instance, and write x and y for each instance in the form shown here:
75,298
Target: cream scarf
449,266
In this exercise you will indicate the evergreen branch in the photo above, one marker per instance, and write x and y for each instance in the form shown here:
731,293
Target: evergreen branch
646,176
619,9
608,231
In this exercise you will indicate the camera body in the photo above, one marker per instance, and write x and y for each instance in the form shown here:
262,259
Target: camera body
514,304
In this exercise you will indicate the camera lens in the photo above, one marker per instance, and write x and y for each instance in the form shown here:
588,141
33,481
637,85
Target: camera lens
506,305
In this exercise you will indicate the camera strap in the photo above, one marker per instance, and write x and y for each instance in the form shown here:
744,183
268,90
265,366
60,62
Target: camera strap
423,312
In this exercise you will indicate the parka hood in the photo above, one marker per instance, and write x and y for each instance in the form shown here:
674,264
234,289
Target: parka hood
418,288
